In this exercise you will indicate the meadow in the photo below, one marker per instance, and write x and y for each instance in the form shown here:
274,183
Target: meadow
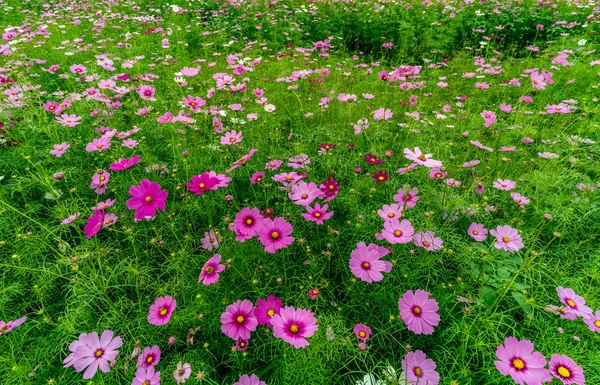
299,192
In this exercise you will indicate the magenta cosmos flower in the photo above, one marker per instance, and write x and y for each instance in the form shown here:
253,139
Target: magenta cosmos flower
249,380
124,163
161,310
477,232
566,370
504,184
146,377
294,326
593,322
366,263
148,358
246,223
507,238
419,312
362,332
94,353
210,271
518,360
422,159
266,309
395,231
318,214
274,234
201,183
146,198
419,370
238,320
575,304
5,327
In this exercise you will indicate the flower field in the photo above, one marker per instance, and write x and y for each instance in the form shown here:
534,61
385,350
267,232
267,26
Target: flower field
299,192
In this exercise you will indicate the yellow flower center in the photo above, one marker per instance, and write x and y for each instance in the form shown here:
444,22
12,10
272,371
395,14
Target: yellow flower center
597,323
232,139
99,145
425,243
240,319
99,353
147,382
249,221
315,291
149,359
4,327
362,334
331,187
317,215
270,312
304,196
202,185
163,310
391,215
563,372
422,157
102,177
148,199
59,149
242,344
258,179
294,328
398,233
475,232
180,372
505,239
418,371
416,310
570,303
274,235
503,185
518,364
288,177
366,265
381,178
209,269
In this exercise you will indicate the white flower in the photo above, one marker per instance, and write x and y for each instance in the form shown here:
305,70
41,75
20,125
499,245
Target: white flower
581,42
270,108
369,379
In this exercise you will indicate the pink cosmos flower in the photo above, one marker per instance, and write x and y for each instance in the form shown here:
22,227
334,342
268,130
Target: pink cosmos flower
593,322
95,353
161,310
210,241
507,238
146,198
98,144
124,163
201,183
6,327
313,293
78,69
99,181
273,165
241,345
520,199
129,143
274,234
428,241
318,214
194,102
366,263
190,71
246,223
210,271
489,118
266,309
231,137
395,231
68,120
506,108
149,358
566,370
422,159
53,107
329,189
242,161
389,212
304,194
299,161
419,370
146,377
362,332
238,320
94,224
575,304
419,312
382,114
257,177
249,380
294,326
146,92
407,198
182,373
537,80
504,184
60,149
477,232
70,219
517,359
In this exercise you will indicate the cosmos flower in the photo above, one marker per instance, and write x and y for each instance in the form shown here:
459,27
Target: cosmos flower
124,163
266,309
210,271
317,214
518,360
249,380
246,223
238,320
59,149
419,312
201,183
294,326
146,377
95,353
507,239
566,370
362,332
161,310
366,263
477,232
182,373
274,234
422,159
149,358
419,370
6,327
146,198
575,304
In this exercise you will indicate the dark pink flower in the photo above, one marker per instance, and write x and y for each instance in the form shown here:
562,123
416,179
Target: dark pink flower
124,163
294,326
274,234
238,320
161,310
210,271
146,198
366,263
362,332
